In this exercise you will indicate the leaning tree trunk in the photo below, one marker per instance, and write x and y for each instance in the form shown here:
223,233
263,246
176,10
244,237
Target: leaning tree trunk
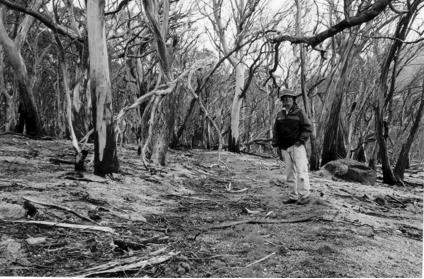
105,157
29,108
403,158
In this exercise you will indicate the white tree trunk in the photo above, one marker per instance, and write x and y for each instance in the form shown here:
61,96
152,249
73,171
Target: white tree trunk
105,157
236,107
32,120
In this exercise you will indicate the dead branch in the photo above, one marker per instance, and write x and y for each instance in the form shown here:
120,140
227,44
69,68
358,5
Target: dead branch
60,161
119,266
260,221
66,225
62,208
237,191
261,260
395,199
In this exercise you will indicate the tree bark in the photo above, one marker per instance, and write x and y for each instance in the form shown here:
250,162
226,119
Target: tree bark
403,159
29,108
382,97
105,156
10,113
234,135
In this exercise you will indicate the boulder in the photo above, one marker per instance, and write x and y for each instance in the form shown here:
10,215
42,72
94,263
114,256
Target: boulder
352,171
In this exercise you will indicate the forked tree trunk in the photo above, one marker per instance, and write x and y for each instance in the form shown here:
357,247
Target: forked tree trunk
403,159
105,157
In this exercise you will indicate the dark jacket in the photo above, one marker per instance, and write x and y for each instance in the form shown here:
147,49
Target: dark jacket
291,127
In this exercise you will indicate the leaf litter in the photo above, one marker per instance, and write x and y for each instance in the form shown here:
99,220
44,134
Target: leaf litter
194,218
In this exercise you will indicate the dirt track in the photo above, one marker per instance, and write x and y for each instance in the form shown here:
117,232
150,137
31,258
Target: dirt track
186,206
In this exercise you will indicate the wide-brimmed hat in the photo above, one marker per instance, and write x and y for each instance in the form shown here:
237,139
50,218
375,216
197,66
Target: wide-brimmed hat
288,92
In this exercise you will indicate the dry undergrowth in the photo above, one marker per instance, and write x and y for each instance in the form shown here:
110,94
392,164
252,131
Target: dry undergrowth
171,222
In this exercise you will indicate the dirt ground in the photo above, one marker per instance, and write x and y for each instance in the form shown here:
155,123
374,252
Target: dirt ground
194,218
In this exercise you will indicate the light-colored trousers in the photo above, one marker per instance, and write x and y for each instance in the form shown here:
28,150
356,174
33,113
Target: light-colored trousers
296,163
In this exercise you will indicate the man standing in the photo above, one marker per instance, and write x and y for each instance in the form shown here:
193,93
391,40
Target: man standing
291,130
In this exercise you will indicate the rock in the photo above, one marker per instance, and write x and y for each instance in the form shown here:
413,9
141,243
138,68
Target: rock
11,211
352,171
35,240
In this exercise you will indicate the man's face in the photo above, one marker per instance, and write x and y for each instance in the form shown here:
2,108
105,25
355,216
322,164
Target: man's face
287,102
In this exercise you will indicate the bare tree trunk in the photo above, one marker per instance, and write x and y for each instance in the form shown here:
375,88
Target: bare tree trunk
182,128
334,146
314,159
403,159
166,104
29,108
234,135
10,113
105,156
384,94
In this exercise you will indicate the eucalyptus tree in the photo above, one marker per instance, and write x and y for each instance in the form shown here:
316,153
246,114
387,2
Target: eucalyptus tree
403,158
319,35
105,155
386,83
244,14
12,49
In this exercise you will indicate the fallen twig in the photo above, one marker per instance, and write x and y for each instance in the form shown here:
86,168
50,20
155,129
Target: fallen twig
155,239
220,161
60,161
248,211
205,259
10,183
260,221
63,208
236,191
78,178
261,260
66,225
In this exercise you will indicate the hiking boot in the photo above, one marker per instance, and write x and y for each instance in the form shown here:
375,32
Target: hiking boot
303,201
290,201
